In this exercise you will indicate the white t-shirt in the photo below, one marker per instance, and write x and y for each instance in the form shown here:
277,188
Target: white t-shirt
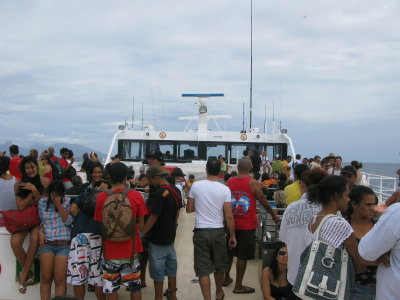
384,237
293,230
209,198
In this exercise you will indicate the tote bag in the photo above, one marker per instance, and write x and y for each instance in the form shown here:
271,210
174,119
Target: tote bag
325,272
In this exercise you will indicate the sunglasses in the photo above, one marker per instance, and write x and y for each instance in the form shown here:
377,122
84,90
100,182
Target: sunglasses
282,253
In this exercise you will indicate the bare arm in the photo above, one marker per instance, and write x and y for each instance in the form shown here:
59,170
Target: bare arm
149,224
190,208
352,247
230,224
74,209
256,190
23,203
265,284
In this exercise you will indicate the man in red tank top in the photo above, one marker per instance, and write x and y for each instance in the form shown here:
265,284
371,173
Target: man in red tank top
245,191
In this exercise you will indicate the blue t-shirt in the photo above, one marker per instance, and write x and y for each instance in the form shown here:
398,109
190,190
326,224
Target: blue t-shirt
83,222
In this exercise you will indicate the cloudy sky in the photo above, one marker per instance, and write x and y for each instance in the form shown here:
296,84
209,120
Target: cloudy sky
69,69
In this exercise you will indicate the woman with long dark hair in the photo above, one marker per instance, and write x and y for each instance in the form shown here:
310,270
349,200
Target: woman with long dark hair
333,194
28,192
360,216
274,277
54,240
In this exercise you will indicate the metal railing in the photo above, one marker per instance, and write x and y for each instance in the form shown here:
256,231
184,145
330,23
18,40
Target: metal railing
383,186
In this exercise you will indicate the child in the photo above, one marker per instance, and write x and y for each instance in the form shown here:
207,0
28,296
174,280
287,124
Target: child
54,240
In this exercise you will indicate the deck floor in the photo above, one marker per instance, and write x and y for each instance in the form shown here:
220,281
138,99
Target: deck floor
186,289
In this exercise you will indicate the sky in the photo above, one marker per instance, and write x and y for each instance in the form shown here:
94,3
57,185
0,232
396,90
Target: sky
69,70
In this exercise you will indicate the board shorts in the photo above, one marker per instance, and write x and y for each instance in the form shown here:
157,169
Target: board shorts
84,260
121,271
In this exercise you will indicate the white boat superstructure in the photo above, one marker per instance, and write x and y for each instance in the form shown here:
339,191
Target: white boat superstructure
190,149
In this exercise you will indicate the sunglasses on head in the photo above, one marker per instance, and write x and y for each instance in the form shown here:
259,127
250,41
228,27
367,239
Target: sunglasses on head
282,253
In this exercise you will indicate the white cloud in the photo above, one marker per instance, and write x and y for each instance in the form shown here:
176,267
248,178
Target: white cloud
68,70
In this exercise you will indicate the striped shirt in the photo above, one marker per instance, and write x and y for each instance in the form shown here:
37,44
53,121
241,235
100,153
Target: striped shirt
55,228
334,232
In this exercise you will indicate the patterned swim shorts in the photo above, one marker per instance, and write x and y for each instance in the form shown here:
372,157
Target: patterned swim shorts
121,271
84,260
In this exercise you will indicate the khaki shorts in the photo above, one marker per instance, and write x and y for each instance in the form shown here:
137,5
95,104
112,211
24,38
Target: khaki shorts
209,251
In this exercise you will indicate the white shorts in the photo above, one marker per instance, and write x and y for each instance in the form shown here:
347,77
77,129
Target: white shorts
84,260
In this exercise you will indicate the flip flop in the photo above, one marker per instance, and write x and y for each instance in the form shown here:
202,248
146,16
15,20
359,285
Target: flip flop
246,290
22,289
226,283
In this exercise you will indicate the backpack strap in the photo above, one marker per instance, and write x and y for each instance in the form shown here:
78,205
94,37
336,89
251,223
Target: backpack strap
174,194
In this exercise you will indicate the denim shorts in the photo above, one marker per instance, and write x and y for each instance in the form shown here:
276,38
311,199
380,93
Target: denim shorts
162,261
61,250
361,292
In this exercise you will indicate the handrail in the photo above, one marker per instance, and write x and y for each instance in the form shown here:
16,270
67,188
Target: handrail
383,186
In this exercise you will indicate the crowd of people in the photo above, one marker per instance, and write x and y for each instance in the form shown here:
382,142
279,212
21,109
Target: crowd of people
103,233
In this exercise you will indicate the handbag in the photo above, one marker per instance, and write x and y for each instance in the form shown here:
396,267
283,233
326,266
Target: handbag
325,272
19,220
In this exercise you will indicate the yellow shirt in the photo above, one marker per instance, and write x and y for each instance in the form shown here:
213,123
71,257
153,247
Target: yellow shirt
292,192
284,168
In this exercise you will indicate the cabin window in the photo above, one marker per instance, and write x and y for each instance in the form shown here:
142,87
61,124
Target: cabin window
188,151
167,149
132,150
214,150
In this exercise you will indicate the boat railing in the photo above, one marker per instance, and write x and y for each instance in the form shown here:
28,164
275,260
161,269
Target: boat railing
383,186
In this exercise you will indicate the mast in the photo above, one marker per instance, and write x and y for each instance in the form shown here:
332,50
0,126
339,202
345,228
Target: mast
251,61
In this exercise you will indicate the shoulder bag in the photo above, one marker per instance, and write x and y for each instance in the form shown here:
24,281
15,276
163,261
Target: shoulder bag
325,272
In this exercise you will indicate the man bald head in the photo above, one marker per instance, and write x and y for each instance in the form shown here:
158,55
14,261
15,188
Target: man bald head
245,165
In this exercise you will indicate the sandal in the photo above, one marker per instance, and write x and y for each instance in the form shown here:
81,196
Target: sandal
166,293
245,290
228,282
22,289
30,280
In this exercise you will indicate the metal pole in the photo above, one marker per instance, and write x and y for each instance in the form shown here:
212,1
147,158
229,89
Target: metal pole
251,61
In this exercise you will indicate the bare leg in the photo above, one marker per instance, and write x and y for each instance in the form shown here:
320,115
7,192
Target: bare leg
227,276
136,295
79,291
46,274
143,267
172,287
218,277
98,290
30,254
113,296
241,265
16,241
60,276
158,290
205,285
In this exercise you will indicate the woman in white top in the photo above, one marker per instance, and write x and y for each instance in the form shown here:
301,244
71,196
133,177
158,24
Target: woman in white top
333,194
361,179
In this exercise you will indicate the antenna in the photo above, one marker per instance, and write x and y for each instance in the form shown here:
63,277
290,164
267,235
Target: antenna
251,60
142,114
152,100
265,115
133,109
243,119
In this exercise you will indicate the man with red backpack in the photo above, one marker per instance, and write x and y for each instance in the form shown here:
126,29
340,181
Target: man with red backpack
116,210
161,229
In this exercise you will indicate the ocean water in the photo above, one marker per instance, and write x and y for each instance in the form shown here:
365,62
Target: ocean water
384,169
